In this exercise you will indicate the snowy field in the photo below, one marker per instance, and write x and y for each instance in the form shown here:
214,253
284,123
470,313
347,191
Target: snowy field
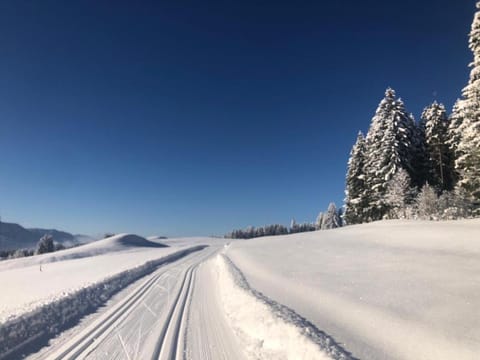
387,290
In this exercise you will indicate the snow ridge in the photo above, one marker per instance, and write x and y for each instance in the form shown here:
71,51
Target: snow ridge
50,318
326,346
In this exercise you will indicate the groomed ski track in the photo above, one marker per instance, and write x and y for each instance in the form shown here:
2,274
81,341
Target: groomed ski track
148,323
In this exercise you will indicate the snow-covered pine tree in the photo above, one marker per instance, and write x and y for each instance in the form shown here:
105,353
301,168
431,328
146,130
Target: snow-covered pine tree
45,244
356,200
319,221
390,146
330,218
427,203
468,150
399,194
293,226
434,124
455,128
420,162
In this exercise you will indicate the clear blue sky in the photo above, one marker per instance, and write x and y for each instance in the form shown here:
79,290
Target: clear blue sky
196,117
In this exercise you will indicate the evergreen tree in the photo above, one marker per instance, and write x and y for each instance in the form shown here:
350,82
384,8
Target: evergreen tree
427,203
468,161
434,123
294,228
455,128
390,146
319,221
331,219
420,162
45,244
399,195
356,200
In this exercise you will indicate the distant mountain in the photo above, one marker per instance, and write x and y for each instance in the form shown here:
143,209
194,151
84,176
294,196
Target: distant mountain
58,236
14,236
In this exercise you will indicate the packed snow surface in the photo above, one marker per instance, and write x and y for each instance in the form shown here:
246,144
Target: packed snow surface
394,289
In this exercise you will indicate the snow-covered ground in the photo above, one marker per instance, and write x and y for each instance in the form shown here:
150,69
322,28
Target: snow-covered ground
42,294
396,290
387,290
37,280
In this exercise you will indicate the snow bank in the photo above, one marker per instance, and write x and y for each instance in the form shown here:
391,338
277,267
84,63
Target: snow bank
49,318
266,329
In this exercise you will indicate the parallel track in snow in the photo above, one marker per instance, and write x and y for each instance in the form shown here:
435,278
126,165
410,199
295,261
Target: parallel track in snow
164,340
104,325
170,345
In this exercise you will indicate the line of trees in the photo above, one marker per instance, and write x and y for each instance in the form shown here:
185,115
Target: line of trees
330,219
429,169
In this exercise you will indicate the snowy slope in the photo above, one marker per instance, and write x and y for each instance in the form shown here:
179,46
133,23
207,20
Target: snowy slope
396,290
109,245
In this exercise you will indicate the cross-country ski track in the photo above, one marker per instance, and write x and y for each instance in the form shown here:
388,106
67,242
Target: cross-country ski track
147,324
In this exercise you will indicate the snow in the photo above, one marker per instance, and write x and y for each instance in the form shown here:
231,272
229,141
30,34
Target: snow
47,291
191,241
36,280
391,289
264,328
120,242
209,332
396,289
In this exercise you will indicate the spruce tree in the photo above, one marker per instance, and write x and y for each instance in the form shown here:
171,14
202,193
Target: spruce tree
330,219
427,203
468,161
399,195
390,146
434,123
454,133
319,221
355,194
45,244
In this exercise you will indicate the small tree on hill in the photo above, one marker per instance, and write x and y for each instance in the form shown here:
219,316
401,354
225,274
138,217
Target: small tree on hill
45,244
330,219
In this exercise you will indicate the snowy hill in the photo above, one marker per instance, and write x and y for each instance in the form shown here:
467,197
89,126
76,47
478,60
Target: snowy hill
113,244
14,236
